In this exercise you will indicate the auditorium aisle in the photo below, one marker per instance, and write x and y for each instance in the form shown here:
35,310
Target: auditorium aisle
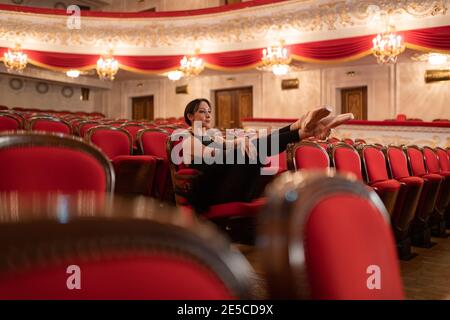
425,277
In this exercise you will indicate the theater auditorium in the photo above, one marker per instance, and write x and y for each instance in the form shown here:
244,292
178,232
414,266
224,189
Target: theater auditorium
97,201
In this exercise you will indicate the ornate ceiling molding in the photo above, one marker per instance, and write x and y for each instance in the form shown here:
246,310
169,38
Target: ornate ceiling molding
295,21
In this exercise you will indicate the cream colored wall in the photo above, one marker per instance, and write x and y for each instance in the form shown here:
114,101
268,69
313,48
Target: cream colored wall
28,97
386,96
376,78
418,99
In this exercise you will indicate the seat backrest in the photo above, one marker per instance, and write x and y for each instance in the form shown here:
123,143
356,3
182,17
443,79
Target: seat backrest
349,141
138,251
416,161
401,117
153,142
431,160
49,124
133,129
327,237
112,141
83,126
307,155
346,159
9,122
397,162
374,163
444,159
41,162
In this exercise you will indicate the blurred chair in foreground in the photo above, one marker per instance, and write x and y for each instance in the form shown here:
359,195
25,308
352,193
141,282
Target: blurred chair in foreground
325,236
120,250
40,162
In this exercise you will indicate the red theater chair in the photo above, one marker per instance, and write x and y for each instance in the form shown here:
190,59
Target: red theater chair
38,162
442,201
307,155
82,127
122,252
9,121
346,159
376,175
48,124
133,129
410,220
153,142
237,219
444,162
431,188
349,141
135,174
326,236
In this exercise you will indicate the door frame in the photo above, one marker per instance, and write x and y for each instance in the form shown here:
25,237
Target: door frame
214,95
355,87
130,110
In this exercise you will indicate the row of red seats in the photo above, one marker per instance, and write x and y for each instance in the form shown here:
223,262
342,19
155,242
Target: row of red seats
166,256
413,183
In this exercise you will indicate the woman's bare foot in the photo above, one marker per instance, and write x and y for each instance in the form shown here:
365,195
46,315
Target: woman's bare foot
308,121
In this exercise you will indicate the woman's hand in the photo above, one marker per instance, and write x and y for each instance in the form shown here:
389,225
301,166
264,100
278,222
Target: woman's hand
322,129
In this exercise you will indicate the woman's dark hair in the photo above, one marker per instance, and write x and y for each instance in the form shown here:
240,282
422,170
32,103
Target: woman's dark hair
192,108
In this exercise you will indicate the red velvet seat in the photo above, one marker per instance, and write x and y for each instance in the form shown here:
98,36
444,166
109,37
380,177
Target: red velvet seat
411,196
82,127
307,155
433,167
324,236
133,129
153,142
9,122
348,141
37,162
346,159
444,159
374,166
125,251
48,124
135,174
432,184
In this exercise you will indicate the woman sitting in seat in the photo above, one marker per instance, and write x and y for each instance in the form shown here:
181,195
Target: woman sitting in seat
230,168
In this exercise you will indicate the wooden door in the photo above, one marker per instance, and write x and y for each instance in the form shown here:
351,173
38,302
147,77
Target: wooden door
354,100
232,105
142,108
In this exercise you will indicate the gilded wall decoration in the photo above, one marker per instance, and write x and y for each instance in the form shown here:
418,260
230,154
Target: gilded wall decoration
247,26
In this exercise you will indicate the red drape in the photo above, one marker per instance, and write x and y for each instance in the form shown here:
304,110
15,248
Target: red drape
430,39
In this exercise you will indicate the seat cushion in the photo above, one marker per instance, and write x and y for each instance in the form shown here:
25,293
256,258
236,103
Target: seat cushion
235,209
412,180
432,177
387,185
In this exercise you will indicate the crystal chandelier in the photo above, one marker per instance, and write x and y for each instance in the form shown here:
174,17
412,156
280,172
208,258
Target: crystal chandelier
15,60
276,59
191,66
387,46
107,67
